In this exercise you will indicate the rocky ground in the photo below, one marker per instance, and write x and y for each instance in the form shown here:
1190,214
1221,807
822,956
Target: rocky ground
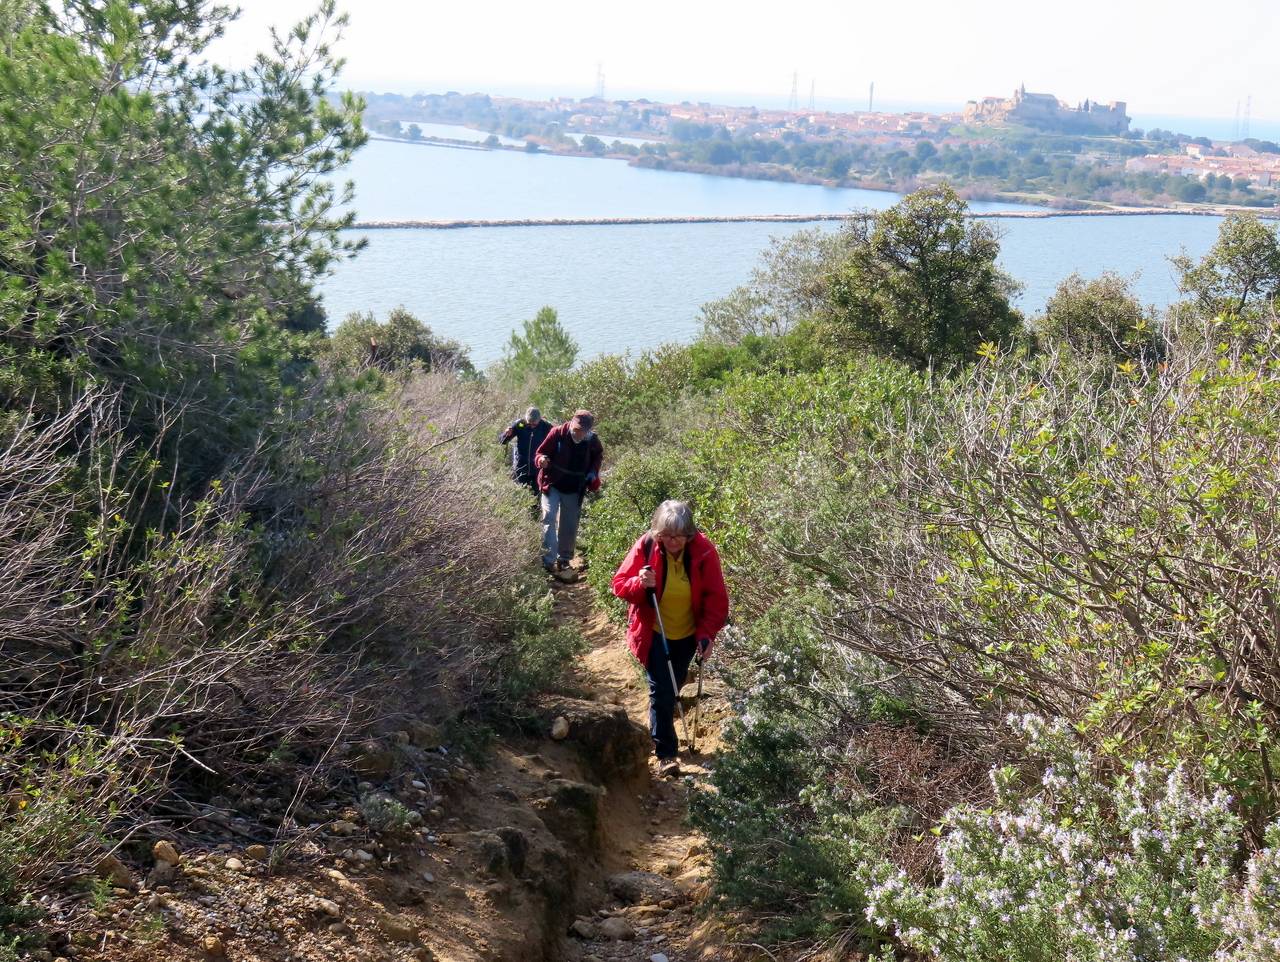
551,848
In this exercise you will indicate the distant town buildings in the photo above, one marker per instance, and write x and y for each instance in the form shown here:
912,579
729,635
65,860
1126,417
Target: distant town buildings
1047,112
1237,161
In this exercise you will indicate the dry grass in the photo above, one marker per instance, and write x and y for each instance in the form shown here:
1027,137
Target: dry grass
363,561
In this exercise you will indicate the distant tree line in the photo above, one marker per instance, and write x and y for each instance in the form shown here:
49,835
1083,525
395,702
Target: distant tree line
1072,167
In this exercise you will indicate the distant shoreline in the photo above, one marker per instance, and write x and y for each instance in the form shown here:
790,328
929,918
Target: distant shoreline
1203,210
772,218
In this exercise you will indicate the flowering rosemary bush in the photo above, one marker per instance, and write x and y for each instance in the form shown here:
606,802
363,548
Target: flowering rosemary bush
1252,921
1133,867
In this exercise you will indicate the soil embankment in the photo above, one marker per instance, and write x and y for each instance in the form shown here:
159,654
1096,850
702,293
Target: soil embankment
560,849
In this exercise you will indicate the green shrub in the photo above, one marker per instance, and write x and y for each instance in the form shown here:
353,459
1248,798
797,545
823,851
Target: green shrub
631,398
393,345
542,348
61,784
15,917
1101,316
769,441
541,652
788,826
1045,536
922,285
714,362
1080,866
1251,922
387,815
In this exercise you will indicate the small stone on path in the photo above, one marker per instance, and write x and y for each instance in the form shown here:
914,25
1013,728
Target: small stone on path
112,868
165,851
617,930
400,928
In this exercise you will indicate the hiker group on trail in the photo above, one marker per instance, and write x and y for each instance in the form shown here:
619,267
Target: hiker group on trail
671,578
528,432
677,604
568,462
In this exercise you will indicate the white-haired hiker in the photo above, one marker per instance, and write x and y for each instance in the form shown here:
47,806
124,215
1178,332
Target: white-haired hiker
681,567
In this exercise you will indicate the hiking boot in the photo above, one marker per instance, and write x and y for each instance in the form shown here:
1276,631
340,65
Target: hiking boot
566,574
668,767
548,567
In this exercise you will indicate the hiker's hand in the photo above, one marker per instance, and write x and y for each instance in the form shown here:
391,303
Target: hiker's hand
540,460
648,578
704,647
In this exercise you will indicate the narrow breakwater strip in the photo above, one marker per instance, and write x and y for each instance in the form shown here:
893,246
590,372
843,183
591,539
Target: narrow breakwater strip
771,218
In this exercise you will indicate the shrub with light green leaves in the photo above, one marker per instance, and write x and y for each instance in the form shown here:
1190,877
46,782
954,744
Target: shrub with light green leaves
631,397
774,849
60,786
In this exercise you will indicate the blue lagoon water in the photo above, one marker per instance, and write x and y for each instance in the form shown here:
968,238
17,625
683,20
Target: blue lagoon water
632,287
403,181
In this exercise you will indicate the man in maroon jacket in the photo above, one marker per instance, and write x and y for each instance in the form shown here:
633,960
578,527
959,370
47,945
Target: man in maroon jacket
568,463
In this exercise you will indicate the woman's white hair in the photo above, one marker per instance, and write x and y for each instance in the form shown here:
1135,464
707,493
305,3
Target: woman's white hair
673,518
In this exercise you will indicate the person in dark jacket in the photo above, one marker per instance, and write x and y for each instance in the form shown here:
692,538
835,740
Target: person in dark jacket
529,432
568,463
681,566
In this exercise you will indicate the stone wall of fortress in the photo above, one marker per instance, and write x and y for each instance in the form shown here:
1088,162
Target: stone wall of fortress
1048,113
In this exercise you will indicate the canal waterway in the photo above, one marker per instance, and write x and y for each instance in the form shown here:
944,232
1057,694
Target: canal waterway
632,287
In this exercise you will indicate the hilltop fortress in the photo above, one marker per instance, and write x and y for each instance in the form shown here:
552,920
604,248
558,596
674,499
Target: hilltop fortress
1047,112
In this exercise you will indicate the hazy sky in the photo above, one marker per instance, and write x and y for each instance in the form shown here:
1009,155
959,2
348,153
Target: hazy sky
1168,57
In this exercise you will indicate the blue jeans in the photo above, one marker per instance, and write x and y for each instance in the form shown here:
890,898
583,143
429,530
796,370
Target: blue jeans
662,699
560,513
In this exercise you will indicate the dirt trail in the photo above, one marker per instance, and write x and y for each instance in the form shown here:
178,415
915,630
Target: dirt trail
650,834
552,849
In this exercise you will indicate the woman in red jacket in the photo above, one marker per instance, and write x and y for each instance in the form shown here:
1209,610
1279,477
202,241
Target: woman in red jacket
680,565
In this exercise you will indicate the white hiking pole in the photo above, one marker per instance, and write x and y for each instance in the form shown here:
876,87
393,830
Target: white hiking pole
662,633
697,703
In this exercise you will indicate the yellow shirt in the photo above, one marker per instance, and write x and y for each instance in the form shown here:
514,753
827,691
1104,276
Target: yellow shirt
676,603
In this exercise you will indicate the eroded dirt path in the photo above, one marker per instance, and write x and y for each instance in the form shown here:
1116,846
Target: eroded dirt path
655,864
563,849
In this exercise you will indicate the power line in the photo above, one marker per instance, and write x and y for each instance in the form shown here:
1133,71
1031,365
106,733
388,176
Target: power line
793,102
600,81
1248,109
871,98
